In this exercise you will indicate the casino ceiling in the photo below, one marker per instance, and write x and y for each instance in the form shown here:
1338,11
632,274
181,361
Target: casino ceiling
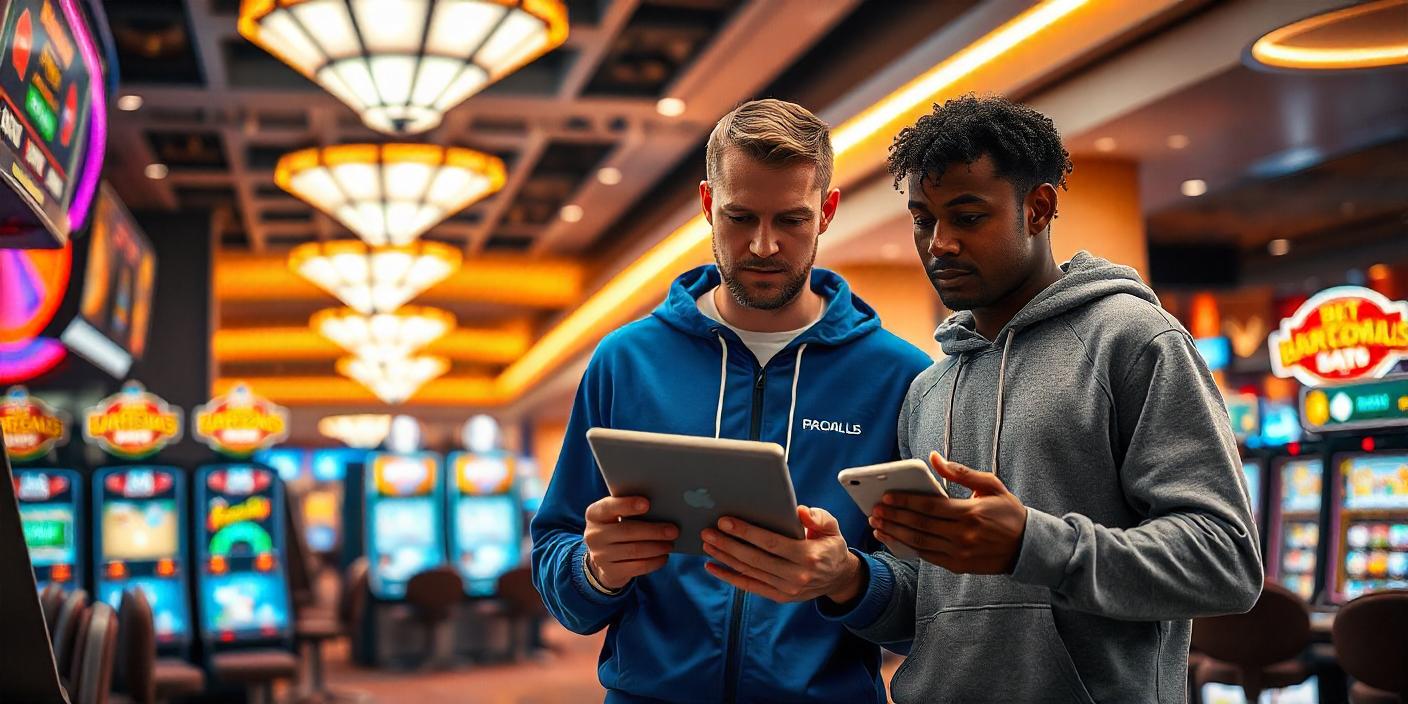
579,125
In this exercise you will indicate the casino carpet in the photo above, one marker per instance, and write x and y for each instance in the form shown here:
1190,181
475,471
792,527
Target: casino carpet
567,677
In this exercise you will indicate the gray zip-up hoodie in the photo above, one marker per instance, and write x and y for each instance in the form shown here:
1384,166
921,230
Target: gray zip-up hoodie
1094,408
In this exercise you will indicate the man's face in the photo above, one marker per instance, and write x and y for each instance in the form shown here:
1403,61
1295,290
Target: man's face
972,234
766,221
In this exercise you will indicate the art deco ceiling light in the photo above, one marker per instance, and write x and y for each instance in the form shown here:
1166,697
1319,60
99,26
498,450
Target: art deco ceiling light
383,336
401,64
374,279
362,431
394,380
390,193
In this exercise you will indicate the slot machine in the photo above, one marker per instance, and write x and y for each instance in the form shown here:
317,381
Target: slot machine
405,519
140,516
1370,523
486,518
1298,494
50,497
241,579
323,503
139,510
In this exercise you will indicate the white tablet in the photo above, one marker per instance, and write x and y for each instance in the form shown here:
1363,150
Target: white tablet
693,481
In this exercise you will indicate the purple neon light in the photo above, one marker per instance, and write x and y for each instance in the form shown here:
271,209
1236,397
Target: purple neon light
98,134
22,361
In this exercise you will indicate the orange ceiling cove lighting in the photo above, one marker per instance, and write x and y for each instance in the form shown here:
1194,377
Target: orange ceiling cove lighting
1367,35
401,65
383,336
390,193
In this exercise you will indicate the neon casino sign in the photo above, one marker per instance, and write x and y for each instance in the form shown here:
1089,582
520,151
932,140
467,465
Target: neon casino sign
132,424
240,423
1341,334
31,427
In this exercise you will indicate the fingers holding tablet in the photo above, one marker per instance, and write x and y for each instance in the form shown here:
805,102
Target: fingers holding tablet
621,548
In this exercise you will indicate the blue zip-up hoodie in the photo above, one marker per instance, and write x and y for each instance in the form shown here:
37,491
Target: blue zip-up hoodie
831,397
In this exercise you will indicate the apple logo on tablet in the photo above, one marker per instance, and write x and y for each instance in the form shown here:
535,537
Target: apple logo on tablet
698,498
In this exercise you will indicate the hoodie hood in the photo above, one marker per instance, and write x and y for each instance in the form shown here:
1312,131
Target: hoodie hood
847,317
1087,278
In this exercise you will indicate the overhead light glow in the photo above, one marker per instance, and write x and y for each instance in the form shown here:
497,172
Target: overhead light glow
1194,187
1105,144
390,193
1366,35
670,107
1278,247
393,381
383,336
401,65
609,176
129,102
374,279
1178,141
156,172
571,213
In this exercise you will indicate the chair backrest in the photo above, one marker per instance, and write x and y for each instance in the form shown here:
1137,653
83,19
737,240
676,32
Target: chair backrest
1277,628
353,601
93,658
65,633
434,592
134,673
50,600
1371,640
517,590
302,591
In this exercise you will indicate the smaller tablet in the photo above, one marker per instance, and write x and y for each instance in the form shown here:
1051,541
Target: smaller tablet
693,481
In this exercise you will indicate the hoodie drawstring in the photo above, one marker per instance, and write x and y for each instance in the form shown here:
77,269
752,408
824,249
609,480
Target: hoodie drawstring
792,409
1001,391
723,377
723,384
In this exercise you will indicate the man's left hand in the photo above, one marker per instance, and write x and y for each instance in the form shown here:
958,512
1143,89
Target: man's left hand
783,569
978,535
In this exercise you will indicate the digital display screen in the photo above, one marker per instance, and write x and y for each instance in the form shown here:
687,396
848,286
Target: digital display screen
166,596
331,465
1302,485
287,462
48,532
322,519
405,538
44,105
487,539
1375,482
1377,556
1251,469
140,530
115,307
245,605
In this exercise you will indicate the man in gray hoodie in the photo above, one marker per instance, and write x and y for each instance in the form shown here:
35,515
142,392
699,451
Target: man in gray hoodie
1097,505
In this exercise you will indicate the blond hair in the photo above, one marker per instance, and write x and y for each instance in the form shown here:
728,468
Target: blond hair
775,132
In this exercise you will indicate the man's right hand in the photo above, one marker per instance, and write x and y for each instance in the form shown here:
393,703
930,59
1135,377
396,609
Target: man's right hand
619,549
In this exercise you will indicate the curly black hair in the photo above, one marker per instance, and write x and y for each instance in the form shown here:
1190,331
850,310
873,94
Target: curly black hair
1023,143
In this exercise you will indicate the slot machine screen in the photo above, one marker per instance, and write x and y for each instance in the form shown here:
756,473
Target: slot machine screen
405,539
487,540
48,503
405,519
145,530
1297,530
48,533
1373,523
243,591
1251,469
139,545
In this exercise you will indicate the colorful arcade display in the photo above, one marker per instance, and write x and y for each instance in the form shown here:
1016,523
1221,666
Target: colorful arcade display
486,519
242,589
1294,539
140,513
50,498
139,510
405,519
1370,512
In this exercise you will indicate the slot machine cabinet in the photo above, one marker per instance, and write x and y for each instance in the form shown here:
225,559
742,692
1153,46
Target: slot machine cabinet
1297,498
51,514
1369,523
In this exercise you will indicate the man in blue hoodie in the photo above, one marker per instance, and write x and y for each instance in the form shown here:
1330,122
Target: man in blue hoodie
760,347
1097,501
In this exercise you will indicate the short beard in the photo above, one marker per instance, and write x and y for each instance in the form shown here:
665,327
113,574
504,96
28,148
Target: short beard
793,285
